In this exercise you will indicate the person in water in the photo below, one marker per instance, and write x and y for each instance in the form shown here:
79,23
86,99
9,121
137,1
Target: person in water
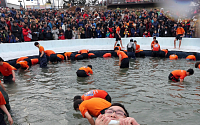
69,56
118,46
179,75
94,94
156,49
123,58
191,57
131,48
92,107
197,65
84,53
51,56
173,57
26,63
7,71
84,71
116,112
42,55
3,107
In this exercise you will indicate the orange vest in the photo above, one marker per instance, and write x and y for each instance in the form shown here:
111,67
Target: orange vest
61,56
156,47
107,55
173,57
191,57
123,55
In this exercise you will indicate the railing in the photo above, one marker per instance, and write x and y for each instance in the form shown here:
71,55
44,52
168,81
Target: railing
110,2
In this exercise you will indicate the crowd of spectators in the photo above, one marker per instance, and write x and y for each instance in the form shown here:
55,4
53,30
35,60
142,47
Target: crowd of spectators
34,24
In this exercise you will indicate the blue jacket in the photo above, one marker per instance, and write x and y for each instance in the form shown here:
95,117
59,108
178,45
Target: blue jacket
155,34
10,39
99,35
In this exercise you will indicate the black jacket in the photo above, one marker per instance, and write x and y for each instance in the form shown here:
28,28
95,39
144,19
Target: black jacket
16,30
68,34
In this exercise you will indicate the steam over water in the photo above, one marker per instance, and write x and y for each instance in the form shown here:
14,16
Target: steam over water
44,96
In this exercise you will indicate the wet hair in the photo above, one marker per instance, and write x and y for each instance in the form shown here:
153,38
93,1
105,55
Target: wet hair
1,59
191,71
118,44
36,43
90,66
77,103
116,48
122,106
77,97
154,37
17,66
131,40
135,41
197,64
156,41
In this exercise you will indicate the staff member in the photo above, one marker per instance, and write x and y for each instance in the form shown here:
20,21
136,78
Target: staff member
7,71
131,48
93,107
117,35
83,71
179,35
94,94
123,58
42,55
156,49
179,75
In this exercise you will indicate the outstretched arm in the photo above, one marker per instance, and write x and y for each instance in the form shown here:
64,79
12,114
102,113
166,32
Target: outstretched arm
3,107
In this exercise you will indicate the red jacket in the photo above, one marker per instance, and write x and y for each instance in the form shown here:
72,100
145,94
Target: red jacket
111,36
9,25
25,34
61,37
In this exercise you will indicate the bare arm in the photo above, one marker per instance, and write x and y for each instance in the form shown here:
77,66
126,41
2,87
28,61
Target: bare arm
3,107
13,73
2,86
181,80
27,68
120,58
42,54
90,119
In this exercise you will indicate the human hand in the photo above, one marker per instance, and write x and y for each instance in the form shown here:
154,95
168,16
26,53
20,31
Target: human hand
128,121
13,79
102,120
10,120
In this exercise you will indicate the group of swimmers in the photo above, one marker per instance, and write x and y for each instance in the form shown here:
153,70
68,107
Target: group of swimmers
89,106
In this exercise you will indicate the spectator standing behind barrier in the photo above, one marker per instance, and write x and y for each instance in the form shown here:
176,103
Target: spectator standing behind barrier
68,33
16,30
34,32
55,33
26,33
10,38
47,32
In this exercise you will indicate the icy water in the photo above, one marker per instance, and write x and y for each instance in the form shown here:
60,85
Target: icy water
44,96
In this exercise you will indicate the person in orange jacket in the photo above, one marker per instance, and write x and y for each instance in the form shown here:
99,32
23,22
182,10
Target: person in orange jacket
191,57
173,57
179,75
123,58
84,71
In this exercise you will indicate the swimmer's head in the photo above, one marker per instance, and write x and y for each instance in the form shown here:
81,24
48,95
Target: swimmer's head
77,103
90,66
17,66
131,40
154,38
197,64
135,41
118,44
36,44
77,97
116,111
190,72
116,49
156,41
